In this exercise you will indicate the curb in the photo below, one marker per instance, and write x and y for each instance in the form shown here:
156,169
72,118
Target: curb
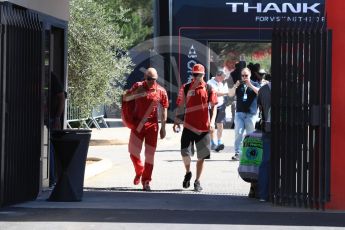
98,167
107,142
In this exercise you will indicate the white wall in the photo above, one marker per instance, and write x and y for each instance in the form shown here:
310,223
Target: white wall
55,8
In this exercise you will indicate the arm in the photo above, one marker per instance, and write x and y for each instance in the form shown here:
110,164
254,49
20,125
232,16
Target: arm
57,99
213,118
213,101
135,92
180,109
60,106
219,94
232,91
164,115
177,121
254,88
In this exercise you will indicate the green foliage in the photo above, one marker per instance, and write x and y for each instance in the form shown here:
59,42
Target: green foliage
133,17
134,31
97,65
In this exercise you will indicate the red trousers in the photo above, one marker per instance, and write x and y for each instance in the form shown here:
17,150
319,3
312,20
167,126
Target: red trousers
149,133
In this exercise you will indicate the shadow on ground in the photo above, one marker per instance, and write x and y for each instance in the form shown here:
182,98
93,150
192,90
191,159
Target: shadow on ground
151,207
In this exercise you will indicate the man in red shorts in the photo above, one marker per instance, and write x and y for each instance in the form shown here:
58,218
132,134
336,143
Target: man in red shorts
148,94
196,98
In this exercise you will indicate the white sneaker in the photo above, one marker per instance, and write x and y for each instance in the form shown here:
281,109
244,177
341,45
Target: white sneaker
197,187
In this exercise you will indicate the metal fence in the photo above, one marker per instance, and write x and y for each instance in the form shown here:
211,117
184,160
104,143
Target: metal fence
74,115
93,120
21,100
301,99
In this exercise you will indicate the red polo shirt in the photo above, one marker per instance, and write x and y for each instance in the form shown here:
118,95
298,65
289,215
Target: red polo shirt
146,107
196,114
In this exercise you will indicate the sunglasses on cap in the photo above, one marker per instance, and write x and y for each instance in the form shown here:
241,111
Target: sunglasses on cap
149,78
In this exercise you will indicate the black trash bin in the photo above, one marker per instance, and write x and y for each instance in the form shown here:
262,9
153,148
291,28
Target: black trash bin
71,148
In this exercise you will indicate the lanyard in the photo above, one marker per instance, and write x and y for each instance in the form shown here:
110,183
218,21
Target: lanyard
245,96
245,88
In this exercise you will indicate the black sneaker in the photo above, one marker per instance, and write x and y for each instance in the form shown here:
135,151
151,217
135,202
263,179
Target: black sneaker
236,157
219,147
186,181
197,187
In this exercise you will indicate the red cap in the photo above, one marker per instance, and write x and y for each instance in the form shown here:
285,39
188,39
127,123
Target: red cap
198,68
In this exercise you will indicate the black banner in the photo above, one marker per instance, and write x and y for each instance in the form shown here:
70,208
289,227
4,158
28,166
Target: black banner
232,20
248,13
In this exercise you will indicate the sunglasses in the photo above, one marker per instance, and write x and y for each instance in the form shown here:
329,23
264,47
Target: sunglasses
196,74
244,75
151,79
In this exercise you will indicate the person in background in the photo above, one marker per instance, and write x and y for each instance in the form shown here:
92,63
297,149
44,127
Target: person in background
197,123
254,69
148,94
236,74
264,104
258,75
246,92
234,77
57,106
221,89
261,75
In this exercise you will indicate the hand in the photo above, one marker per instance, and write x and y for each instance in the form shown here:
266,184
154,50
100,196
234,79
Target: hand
162,132
211,127
176,127
237,84
140,91
247,81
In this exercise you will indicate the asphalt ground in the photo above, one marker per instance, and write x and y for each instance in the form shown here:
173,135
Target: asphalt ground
111,201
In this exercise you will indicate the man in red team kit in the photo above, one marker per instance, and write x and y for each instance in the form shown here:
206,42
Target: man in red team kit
148,94
196,98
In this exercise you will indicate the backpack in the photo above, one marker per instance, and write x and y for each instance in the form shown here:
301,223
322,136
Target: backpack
185,91
251,157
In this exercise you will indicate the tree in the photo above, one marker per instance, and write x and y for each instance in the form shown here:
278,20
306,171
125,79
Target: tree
134,18
96,59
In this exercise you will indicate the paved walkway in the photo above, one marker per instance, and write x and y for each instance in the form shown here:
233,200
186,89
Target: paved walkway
111,201
219,177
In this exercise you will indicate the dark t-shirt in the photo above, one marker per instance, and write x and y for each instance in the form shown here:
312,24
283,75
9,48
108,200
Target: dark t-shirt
249,104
